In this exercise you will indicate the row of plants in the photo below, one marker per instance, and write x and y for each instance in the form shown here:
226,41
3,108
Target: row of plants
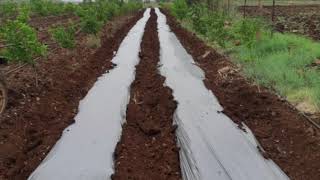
283,62
18,40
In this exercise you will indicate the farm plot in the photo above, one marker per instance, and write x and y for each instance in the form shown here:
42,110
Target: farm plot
36,115
285,136
206,137
175,110
300,19
147,148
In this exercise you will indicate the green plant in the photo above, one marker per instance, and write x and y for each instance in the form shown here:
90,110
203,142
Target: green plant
216,29
24,14
46,7
64,36
90,23
248,30
8,9
180,8
21,42
197,15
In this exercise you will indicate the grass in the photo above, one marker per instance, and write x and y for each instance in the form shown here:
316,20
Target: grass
283,64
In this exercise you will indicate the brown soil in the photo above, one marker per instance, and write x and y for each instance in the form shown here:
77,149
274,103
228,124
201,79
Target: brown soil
301,19
38,111
147,149
287,138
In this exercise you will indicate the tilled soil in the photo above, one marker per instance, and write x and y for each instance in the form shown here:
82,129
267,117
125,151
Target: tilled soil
287,138
147,149
301,19
38,111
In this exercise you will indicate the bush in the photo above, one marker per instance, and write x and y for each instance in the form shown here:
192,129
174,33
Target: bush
209,23
248,30
130,7
70,8
22,43
198,19
64,36
180,8
90,23
216,29
46,7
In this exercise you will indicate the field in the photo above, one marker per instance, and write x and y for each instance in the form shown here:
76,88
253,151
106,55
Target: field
302,19
278,2
125,90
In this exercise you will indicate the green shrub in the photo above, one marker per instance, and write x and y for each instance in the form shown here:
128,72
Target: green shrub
180,8
70,8
64,36
90,23
130,7
216,30
24,14
247,30
198,15
46,7
22,43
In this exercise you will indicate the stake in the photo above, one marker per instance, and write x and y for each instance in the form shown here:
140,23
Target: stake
244,9
273,13
273,10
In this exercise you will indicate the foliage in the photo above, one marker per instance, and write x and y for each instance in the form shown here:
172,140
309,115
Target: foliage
216,29
8,9
65,36
94,15
130,7
24,14
198,15
21,41
90,23
248,30
180,8
218,26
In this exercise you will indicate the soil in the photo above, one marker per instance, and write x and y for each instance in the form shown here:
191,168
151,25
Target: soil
300,19
286,137
147,149
43,100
